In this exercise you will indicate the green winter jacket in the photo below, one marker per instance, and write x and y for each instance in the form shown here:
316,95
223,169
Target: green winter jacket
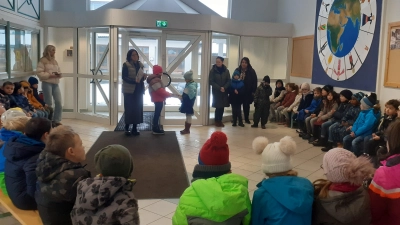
215,201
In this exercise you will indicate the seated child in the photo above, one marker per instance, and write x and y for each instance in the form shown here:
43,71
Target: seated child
188,98
13,121
306,98
307,112
216,195
291,93
344,98
384,190
340,129
342,199
276,98
378,138
292,108
158,95
329,107
108,197
21,155
4,99
236,97
262,103
21,101
7,91
28,93
58,172
34,86
283,198
364,125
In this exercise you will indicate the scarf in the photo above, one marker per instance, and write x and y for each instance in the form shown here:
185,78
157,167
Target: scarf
205,171
343,187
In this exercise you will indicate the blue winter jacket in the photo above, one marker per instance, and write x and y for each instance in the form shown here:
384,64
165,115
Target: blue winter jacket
21,155
22,102
314,105
5,135
283,200
365,123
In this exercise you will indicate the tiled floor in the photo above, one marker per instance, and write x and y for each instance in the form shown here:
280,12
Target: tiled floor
244,161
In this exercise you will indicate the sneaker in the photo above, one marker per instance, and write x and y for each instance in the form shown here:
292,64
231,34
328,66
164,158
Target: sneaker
158,131
241,125
306,136
127,133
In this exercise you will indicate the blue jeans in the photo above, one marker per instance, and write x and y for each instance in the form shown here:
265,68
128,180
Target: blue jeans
353,144
42,113
51,91
325,128
157,112
331,129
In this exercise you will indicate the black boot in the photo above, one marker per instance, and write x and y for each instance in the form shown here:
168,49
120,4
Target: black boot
134,130
321,142
157,130
127,132
328,146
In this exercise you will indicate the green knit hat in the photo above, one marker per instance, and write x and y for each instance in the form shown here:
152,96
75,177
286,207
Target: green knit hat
114,161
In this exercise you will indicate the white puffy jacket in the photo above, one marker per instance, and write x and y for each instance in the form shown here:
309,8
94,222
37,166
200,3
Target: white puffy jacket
45,68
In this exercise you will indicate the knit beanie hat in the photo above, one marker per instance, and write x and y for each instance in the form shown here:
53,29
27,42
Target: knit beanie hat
370,101
328,88
188,75
114,160
33,81
347,94
305,85
235,73
341,166
276,157
266,79
359,96
215,151
157,69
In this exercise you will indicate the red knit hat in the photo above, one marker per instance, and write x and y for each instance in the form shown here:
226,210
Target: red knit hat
157,69
215,151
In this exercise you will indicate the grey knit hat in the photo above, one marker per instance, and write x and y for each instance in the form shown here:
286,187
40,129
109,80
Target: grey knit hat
188,75
115,161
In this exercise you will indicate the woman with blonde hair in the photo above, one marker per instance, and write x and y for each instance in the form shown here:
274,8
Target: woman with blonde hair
49,73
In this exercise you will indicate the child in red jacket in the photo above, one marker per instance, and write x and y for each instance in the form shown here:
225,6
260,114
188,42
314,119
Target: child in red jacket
158,95
292,91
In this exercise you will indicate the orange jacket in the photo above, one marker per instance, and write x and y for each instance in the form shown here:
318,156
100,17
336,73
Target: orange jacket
31,98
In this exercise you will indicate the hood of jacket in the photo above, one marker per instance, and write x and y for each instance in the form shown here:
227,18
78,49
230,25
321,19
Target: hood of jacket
49,166
346,207
22,147
7,134
237,84
293,193
94,193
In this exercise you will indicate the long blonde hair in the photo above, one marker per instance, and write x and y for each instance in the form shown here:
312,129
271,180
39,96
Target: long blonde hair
46,52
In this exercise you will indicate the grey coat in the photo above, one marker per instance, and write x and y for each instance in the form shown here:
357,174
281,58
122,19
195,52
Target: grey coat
129,73
105,200
339,208
218,80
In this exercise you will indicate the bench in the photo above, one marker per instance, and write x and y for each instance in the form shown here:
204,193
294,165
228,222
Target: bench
25,217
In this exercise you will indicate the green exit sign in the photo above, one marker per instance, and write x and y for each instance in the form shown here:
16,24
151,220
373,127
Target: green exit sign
162,23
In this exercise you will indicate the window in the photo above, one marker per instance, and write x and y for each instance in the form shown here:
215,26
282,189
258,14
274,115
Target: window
95,4
3,67
219,6
24,50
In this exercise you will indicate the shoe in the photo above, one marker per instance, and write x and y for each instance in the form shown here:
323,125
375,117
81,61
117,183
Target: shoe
301,134
157,131
222,124
311,139
127,132
234,124
328,146
254,126
306,136
187,128
134,130
299,131
247,121
320,142
218,123
263,127
241,125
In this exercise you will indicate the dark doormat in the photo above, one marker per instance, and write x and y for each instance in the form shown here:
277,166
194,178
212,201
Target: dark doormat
157,163
145,126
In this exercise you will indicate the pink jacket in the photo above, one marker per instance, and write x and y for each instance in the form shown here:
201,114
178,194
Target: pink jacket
156,89
384,192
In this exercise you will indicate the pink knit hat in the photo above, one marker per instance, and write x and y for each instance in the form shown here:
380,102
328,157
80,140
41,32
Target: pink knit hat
157,69
341,166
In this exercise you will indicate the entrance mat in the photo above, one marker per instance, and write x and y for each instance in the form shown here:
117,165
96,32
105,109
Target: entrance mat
158,165
145,126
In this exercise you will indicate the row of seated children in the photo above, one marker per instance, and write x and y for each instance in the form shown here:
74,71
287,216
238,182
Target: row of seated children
25,95
219,196
43,171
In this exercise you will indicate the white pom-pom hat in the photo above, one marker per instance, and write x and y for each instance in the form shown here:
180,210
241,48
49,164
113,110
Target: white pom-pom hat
276,157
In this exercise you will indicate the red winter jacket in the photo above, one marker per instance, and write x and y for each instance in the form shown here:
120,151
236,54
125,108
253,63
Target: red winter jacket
156,89
289,99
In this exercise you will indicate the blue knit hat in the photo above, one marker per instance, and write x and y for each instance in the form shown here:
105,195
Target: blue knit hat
359,95
369,101
236,73
33,81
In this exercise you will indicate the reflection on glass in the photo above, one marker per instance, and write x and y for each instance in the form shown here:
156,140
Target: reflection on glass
2,49
95,4
24,50
91,100
221,6
227,46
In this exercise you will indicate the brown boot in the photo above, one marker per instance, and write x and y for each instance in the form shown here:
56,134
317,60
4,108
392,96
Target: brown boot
219,124
187,128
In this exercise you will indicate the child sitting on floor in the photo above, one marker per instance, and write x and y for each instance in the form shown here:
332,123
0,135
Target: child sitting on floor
58,171
188,99
21,155
108,197
342,199
283,198
216,195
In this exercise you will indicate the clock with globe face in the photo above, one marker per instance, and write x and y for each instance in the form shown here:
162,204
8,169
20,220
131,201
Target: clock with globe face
345,32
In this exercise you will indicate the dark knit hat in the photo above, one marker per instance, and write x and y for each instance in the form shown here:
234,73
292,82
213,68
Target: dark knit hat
347,94
33,81
359,95
114,160
328,88
369,101
236,73
215,151
266,79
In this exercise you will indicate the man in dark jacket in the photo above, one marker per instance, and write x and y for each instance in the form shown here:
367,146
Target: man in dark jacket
262,103
34,85
21,154
59,170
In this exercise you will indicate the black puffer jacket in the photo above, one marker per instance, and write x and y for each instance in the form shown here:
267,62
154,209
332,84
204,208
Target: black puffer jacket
58,179
250,84
340,112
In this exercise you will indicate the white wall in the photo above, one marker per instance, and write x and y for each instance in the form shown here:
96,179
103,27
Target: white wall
66,6
255,10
